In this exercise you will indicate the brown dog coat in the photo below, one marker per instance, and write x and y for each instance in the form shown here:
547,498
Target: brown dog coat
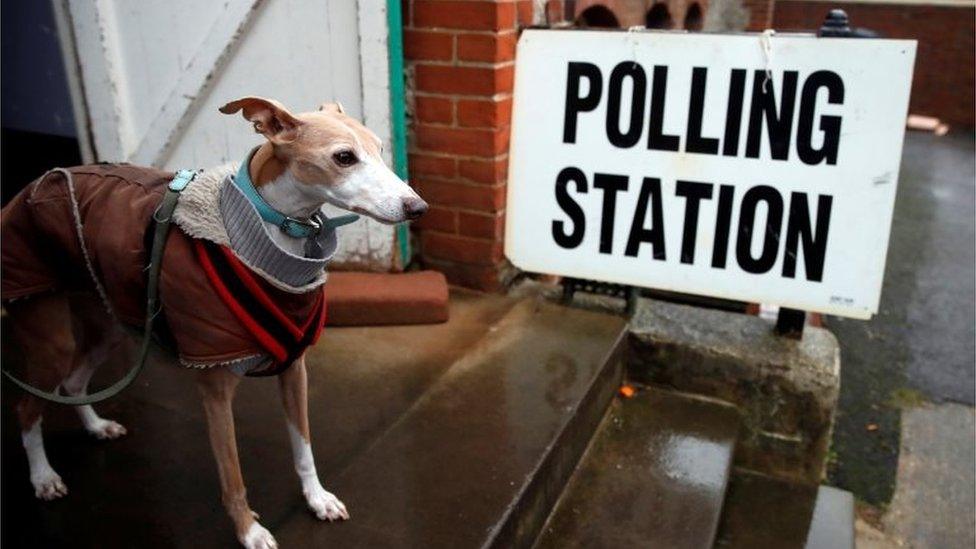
41,252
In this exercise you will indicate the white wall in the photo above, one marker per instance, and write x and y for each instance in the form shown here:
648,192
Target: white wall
155,72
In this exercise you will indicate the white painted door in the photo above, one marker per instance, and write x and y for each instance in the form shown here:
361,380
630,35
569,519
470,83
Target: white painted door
148,77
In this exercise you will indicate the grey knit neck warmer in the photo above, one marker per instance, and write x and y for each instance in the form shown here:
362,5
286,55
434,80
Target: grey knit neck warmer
214,209
250,238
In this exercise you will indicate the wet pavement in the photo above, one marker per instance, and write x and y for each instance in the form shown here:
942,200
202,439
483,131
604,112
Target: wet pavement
763,512
921,344
430,435
936,494
654,476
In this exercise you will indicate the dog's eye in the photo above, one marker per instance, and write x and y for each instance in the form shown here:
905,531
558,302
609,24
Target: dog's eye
345,158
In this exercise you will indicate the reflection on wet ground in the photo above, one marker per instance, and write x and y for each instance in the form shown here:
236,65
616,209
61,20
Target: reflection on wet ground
764,512
655,473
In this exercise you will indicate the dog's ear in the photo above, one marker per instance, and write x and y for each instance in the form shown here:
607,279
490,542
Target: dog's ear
332,107
270,118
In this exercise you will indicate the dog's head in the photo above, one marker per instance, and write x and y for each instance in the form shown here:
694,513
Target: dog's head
334,157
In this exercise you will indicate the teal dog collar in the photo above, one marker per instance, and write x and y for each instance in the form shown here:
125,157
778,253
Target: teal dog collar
181,180
297,228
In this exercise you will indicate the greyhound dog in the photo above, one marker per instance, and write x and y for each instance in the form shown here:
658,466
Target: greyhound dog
307,160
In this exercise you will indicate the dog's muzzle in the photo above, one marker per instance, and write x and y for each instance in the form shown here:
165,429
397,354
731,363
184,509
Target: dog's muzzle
414,207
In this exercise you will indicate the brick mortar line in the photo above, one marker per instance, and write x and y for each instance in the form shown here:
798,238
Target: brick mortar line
458,62
479,32
441,154
459,95
450,179
473,158
456,126
473,185
421,126
463,236
460,156
464,64
463,182
463,32
494,97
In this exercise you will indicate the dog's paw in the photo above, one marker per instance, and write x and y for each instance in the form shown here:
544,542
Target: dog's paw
106,429
49,486
324,504
258,537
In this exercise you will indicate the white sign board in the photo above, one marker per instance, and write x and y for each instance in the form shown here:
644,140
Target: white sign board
708,164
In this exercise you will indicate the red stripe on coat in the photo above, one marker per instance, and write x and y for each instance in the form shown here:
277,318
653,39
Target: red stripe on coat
244,275
269,343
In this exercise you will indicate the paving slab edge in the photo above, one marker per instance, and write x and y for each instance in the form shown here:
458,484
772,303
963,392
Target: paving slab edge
524,519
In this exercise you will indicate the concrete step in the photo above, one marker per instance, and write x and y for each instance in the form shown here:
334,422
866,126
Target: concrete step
654,476
766,512
479,459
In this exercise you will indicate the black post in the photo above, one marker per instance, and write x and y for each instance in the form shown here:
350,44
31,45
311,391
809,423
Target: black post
790,323
633,294
569,288
837,25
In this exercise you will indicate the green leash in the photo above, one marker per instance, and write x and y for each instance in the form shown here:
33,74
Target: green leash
163,217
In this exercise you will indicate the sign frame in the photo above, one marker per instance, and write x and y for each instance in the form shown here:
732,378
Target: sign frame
529,216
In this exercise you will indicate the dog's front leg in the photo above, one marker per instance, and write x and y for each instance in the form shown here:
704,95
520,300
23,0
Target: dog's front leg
294,396
217,385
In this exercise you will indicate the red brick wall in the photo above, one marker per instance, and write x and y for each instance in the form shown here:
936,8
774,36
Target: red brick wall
944,63
760,14
461,57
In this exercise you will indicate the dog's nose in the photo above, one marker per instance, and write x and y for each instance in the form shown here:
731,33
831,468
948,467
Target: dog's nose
414,207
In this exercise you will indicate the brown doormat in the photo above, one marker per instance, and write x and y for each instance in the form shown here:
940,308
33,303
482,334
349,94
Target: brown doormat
374,299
